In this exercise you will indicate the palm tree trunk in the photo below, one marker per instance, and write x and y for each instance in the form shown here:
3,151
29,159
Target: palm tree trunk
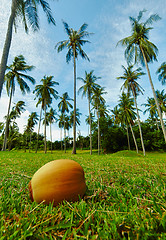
74,122
25,143
136,146
61,137
30,142
51,135
45,144
139,125
157,124
154,94
64,137
90,127
7,121
38,130
128,137
7,44
98,130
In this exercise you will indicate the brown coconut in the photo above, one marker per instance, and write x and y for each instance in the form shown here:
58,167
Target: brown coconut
57,181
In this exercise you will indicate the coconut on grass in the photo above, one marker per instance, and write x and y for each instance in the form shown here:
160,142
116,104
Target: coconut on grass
57,181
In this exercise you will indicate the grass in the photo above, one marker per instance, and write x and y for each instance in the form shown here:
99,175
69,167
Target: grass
125,199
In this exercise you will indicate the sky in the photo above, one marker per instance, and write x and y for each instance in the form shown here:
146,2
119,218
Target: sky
108,20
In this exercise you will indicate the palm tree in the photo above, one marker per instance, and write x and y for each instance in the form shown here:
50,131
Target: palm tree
16,111
128,115
97,101
74,44
71,117
161,97
51,115
152,109
118,119
45,92
161,71
116,116
92,117
16,73
32,121
13,135
87,90
139,48
27,11
19,107
130,78
60,124
64,106
40,101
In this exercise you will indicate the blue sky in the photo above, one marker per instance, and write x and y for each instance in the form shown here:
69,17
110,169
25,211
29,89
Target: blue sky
109,21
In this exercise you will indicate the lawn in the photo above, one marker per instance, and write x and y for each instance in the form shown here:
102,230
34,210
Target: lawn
125,198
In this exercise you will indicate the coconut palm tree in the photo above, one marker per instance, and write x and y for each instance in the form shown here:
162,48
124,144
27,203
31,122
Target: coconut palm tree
116,116
152,109
161,97
64,106
19,107
45,92
161,71
32,121
71,117
128,115
60,124
40,101
87,90
27,11
13,134
16,74
74,45
130,78
51,115
118,120
97,101
139,48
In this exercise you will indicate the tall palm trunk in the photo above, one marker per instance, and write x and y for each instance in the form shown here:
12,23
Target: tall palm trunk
157,124
128,137
98,129
7,44
45,143
61,136
7,121
26,142
64,137
74,122
139,125
30,141
154,94
38,129
51,135
90,127
136,146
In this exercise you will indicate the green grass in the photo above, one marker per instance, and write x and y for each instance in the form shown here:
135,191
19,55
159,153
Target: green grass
125,199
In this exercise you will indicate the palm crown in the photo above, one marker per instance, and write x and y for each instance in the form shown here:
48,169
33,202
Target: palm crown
74,43
130,77
28,12
138,42
16,71
46,90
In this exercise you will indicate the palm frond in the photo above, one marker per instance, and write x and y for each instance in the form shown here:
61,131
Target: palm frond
31,12
67,28
47,10
151,19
